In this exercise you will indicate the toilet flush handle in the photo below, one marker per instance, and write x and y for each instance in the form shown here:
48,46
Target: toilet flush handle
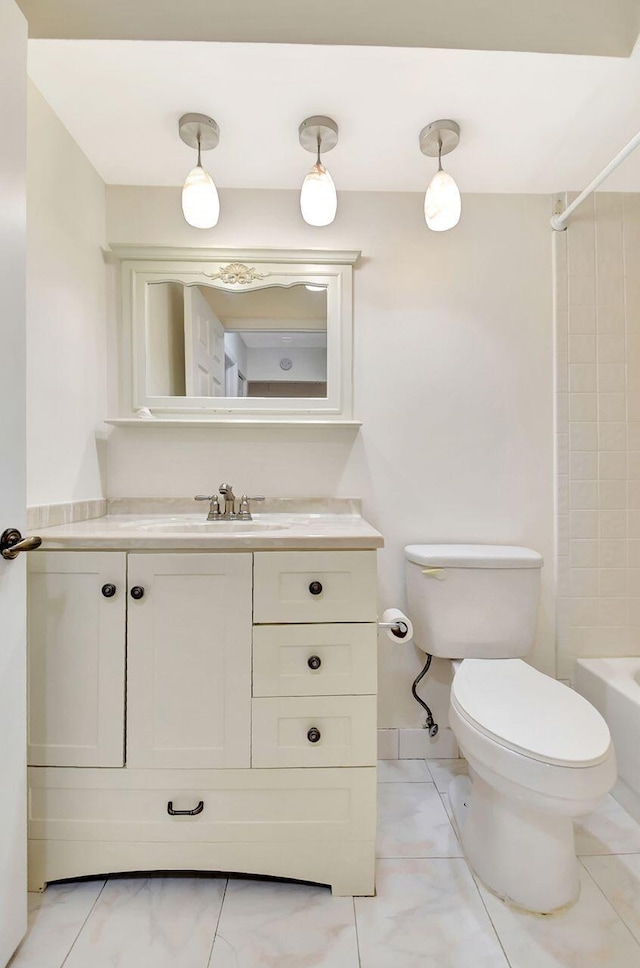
438,573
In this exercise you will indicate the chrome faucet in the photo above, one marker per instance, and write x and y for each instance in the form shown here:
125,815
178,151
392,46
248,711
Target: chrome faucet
229,502
229,514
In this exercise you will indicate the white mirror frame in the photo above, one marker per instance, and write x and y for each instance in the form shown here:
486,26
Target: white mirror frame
238,270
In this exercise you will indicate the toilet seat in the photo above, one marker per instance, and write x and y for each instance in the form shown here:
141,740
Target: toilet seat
527,712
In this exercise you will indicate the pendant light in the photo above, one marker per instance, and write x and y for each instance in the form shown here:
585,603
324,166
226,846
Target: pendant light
200,202
318,199
442,202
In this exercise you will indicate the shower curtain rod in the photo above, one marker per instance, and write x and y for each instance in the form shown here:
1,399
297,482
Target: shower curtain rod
558,222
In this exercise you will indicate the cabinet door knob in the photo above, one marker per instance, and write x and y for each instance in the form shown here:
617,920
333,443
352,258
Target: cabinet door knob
137,591
314,735
314,661
315,587
185,813
108,590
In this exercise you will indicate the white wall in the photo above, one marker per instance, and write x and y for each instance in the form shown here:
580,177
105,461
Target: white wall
66,313
165,336
597,282
309,363
453,384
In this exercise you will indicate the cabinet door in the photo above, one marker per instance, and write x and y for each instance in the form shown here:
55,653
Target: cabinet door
189,661
76,647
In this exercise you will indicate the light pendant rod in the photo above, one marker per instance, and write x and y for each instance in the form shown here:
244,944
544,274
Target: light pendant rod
559,222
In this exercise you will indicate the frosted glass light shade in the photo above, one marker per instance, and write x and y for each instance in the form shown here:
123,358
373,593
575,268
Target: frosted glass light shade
200,202
318,198
442,203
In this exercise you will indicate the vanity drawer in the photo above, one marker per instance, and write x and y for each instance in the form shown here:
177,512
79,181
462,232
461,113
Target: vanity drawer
314,731
314,586
245,806
314,660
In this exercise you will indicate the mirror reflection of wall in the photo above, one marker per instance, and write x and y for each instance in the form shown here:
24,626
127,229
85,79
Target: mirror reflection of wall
207,342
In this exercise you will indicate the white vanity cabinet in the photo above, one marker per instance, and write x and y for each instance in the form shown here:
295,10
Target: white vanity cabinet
216,711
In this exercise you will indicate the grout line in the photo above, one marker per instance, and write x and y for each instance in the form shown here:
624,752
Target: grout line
82,926
355,921
215,930
486,909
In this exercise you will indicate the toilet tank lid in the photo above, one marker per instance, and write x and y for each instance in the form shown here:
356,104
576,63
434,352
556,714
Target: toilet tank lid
473,556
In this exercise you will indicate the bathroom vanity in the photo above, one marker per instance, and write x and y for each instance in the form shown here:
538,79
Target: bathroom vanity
204,698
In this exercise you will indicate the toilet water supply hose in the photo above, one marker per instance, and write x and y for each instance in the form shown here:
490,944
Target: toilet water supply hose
400,627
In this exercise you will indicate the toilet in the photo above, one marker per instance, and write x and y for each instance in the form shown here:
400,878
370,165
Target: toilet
539,754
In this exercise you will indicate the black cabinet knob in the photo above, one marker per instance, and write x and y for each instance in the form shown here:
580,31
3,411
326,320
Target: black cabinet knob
314,661
137,591
108,590
314,735
315,587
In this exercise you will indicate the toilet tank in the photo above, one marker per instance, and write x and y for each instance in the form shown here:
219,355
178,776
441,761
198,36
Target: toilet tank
473,601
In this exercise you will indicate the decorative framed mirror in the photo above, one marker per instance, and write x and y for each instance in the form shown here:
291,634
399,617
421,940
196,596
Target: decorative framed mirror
250,335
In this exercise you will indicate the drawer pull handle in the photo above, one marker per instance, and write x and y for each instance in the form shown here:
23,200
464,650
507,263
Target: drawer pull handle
137,592
108,590
314,735
315,588
314,661
184,813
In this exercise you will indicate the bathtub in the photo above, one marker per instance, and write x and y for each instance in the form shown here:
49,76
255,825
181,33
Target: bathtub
613,687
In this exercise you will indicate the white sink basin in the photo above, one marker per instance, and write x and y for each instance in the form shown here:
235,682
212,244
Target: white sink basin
190,526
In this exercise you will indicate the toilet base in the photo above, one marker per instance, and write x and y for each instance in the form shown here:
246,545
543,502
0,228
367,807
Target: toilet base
523,855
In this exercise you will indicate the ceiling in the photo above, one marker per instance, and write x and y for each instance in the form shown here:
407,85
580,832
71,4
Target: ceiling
530,122
605,27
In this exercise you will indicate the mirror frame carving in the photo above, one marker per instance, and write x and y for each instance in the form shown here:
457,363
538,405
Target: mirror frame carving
237,270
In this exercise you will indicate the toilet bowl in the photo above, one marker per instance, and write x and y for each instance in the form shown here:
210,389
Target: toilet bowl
539,754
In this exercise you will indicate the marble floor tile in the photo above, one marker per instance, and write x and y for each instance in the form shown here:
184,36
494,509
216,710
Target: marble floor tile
426,914
151,922
412,822
619,880
443,771
607,830
588,935
403,771
55,920
267,924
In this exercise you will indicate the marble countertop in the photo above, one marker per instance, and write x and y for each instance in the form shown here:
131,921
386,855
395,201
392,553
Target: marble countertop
156,530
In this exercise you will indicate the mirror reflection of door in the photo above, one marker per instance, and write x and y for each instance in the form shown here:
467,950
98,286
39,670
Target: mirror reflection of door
207,342
204,349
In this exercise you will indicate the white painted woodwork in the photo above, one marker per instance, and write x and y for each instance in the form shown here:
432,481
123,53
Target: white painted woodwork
347,865
347,724
283,806
290,808
143,266
347,653
76,652
316,825
203,347
13,833
281,586
189,661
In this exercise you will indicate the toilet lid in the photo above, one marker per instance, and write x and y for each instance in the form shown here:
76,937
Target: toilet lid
530,713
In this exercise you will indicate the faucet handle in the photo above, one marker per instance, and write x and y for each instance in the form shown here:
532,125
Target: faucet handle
204,497
244,512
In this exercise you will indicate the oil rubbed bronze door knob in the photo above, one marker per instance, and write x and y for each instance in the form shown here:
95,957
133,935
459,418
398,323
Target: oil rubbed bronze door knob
108,590
12,543
137,591
314,662
314,735
315,587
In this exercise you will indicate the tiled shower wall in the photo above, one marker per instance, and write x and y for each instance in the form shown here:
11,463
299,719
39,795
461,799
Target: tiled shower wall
597,313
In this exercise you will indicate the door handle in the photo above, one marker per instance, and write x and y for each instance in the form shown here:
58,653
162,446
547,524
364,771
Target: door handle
12,543
185,813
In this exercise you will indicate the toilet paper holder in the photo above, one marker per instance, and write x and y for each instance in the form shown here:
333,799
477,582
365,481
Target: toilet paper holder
399,628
